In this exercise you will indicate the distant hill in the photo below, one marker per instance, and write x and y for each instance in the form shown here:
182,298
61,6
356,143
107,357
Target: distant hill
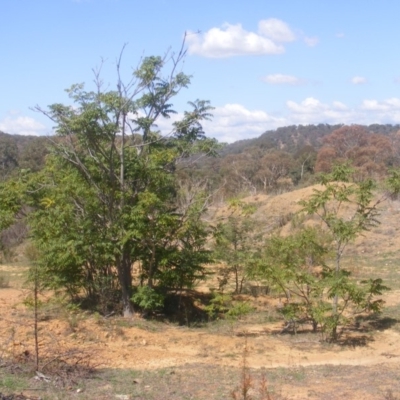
292,138
276,161
18,151
284,158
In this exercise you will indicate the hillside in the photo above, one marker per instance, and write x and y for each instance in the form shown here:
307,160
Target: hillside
293,138
17,151
293,156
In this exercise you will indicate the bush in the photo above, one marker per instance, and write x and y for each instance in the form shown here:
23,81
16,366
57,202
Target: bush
222,305
148,299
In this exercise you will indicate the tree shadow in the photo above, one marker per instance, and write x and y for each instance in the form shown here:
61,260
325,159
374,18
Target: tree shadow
185,307
374,322
354,341
359,334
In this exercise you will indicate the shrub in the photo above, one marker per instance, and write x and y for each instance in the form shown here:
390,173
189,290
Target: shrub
148,299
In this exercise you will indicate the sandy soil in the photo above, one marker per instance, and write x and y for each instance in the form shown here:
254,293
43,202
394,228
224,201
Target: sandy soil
140,345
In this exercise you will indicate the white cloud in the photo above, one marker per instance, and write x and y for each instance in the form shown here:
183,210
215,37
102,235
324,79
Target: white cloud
230,122
339,105
280,79
311,41
386,111
374,105
22,125
312,111
233,40
358,80
276,30
164,125
235,122
306,106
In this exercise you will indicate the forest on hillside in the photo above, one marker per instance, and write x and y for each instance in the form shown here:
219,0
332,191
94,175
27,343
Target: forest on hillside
277,161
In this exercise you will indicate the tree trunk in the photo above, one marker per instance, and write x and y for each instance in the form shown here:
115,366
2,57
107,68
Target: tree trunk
337,269
152,266
236,269
125,281
314,326
336,298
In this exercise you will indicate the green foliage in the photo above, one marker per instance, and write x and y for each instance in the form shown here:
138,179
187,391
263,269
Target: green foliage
8,155
239,309
235,241
224,306
293,266
33,155
393,182
72,242
315,292
148,298
346,210
11,200
108,199
29,302
219,305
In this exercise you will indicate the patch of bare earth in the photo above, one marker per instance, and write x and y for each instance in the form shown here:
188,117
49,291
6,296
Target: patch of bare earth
204,363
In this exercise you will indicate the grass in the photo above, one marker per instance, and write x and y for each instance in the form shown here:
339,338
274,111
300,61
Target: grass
385,266
12,382
197,381
4,279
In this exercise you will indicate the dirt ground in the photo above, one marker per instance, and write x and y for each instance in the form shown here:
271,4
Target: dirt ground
148,347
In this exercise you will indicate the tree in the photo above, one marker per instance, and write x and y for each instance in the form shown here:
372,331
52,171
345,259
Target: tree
294,265
33,154
239,171
8,155
298,265
305,159
121,174
346,210
370,154
235,243
273,166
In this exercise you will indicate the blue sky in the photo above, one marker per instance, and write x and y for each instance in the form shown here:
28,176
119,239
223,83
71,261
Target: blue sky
261,63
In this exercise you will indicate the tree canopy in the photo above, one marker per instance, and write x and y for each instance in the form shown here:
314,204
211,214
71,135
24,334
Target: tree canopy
106,205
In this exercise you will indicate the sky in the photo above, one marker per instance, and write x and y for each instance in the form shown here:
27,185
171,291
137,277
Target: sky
262,64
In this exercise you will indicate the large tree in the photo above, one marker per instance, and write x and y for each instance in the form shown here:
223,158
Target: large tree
117,181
